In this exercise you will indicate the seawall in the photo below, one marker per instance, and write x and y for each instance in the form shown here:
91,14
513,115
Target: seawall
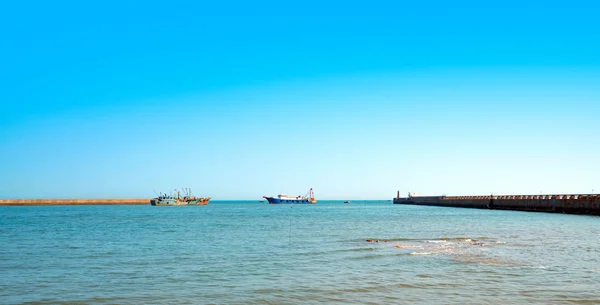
21,202
570,204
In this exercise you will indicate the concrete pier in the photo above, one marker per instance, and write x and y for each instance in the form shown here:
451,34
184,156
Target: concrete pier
563,203
22,202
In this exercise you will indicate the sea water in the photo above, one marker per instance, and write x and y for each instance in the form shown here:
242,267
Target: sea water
236,252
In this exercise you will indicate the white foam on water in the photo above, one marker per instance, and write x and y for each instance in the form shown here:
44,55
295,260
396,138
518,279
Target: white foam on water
421,253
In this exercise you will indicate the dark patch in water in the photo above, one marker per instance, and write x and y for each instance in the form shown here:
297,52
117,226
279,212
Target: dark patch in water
355,250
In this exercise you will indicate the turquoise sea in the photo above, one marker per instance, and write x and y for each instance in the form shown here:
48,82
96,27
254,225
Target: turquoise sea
246,252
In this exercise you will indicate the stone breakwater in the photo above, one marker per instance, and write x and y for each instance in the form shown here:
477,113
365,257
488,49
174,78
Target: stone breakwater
21,202
570,204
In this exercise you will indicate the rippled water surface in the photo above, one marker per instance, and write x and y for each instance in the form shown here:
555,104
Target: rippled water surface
367,252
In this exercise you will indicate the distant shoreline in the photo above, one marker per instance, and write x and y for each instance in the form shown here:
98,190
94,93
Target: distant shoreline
34,202
48,202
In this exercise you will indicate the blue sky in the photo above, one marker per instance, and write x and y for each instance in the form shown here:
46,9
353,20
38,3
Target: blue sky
237,100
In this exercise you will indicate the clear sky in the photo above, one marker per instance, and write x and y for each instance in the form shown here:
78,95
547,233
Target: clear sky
240,99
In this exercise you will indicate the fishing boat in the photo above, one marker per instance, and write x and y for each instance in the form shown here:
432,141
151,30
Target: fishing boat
177,200
282,198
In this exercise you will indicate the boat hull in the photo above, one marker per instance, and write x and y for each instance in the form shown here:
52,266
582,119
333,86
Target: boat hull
174,202
274,200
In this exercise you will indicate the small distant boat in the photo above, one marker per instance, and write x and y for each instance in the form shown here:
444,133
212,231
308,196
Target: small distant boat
282,198
347,202
172,200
